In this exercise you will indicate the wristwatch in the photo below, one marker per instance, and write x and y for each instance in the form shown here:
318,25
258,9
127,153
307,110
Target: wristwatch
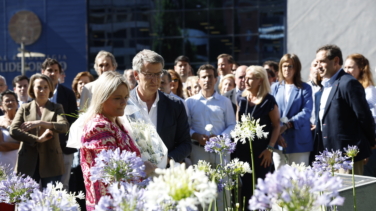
271,149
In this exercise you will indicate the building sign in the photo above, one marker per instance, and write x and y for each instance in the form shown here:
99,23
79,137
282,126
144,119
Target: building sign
62,36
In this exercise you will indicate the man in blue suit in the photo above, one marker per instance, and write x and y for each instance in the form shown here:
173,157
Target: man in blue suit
166,112
342,112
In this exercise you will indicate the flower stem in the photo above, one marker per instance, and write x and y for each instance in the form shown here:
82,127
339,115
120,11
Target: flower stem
353,181
253,168
236,193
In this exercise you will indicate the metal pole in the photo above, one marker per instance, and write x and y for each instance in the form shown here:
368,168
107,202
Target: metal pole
22,59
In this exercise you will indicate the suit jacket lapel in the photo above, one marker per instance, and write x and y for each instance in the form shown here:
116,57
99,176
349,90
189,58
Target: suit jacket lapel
330,97
293,94
281,99
233,96
161,111
47,112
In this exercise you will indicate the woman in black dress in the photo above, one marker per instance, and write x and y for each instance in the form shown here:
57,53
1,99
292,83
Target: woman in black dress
257,102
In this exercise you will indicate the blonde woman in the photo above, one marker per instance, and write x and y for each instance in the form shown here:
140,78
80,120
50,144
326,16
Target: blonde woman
104,131
191,87
259,104
226,84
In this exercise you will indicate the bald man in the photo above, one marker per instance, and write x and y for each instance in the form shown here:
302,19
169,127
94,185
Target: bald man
240,86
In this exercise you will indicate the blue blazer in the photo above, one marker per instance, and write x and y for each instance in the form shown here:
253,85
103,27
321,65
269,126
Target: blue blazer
298,110
347,119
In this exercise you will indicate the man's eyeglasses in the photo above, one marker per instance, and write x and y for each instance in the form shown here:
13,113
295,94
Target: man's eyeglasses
152,75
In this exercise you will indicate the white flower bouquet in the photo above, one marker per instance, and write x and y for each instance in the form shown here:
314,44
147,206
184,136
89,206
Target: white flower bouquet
141,130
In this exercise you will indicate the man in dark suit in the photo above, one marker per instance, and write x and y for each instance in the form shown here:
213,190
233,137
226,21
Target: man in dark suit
166,112
240,86
343,116
67,99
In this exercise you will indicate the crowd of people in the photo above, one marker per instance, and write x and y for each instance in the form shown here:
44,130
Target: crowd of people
333,109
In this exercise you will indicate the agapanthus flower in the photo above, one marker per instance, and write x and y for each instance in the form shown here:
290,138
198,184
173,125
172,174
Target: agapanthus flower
217,175
180,188
237,168
53,197
220,144
351,151
5,170
17,188
114,166
331,161
296,190
248,128
124,197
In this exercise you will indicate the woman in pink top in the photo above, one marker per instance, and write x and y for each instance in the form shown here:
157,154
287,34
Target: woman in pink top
103,131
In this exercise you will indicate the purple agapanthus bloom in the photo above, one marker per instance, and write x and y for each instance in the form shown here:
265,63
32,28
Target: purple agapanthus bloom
114,166
351,151
53,197
219,144
330,161
125,196
293,189
16,188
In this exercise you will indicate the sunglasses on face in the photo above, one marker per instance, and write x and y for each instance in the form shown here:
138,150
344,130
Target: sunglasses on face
175,80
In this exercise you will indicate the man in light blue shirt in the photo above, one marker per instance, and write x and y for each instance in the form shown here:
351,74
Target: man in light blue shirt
208,107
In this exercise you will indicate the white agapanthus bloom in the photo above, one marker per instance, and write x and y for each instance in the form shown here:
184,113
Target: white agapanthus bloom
178,188
209,127
236,167
248,128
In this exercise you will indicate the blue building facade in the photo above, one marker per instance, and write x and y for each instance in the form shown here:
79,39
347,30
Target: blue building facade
63,37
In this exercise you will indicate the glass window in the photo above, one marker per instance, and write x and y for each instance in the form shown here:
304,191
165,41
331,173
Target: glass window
220,3
221,22
246,49
195,4
246,20
220,45
168,48
196,23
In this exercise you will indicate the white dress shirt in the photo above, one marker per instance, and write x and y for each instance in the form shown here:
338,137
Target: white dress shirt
327,85
153,110
216,110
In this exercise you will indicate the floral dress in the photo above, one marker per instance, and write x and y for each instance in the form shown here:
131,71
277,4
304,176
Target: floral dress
101,134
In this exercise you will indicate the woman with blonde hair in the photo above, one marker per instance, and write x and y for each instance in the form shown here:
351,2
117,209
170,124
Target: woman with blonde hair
226,84
104,131
259,104
191,87
294,99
